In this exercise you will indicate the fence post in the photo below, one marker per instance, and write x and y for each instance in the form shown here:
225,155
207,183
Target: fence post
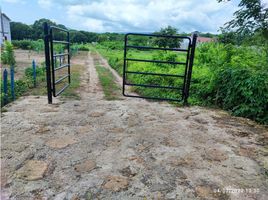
34,73
5,88
12,82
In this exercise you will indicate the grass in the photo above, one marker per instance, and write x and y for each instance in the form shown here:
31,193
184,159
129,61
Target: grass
107,80
71,92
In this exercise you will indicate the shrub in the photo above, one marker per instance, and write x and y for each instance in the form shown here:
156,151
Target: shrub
8,56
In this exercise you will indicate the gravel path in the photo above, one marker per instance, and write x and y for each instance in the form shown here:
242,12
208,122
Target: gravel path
128,149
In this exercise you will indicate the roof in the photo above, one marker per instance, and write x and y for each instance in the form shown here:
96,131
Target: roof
204,39
4,15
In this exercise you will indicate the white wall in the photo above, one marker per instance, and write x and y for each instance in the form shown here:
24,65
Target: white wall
6,26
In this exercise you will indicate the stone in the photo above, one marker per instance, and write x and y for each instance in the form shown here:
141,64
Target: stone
204,192
96,114
215,155
186,161
127,172
116,130
247,151
138,159
32,170
60,143
86,166
115,183
169,142
42,130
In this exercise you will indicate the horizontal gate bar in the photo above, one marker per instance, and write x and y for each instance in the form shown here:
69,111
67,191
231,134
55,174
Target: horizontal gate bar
58,28
156,48
153,86
155,35
61,79
153,98
60,67
156,74
60,54
62,42
156,61
59,92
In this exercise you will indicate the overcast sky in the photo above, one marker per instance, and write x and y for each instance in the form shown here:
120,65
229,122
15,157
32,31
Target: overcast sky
125,15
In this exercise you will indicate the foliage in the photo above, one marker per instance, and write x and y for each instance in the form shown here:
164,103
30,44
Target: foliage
167,42
7,55
251,17
20,31
107,80
231,77
37,45
23,85
77,37
243,91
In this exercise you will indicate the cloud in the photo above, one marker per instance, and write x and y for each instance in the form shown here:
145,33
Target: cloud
145,15
46,4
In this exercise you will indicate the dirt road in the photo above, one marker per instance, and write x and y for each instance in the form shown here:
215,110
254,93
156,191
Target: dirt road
128,149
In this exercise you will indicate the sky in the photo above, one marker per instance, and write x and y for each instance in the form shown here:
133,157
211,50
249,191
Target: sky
125,15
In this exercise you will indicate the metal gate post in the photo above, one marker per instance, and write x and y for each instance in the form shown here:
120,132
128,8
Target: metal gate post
189,73
124,67
47,56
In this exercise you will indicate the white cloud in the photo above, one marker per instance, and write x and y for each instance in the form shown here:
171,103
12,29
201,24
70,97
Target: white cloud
46,4
145,15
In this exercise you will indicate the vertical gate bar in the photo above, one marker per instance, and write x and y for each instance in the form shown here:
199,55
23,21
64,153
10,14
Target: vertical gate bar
47,56
186,70
68,49
124,68
189,74
53,62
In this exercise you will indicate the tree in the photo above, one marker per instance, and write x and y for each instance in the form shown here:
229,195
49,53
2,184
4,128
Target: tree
20,31
251,17
78,37
167,42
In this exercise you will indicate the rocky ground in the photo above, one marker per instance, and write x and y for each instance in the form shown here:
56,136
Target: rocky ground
128,149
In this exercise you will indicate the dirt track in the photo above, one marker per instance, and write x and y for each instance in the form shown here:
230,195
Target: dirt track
128,149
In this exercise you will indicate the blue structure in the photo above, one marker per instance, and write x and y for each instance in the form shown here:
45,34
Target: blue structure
12,83
34,73
5,87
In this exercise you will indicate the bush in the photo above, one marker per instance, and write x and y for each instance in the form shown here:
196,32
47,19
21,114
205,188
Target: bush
23,44
226,76
244,92
8,56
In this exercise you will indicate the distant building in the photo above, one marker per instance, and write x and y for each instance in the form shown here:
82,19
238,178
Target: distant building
201,40
204,40
5,28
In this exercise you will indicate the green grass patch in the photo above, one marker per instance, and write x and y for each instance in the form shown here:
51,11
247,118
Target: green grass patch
109,86
71,91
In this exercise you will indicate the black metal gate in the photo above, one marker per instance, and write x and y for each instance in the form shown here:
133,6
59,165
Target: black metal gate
57,63
183,88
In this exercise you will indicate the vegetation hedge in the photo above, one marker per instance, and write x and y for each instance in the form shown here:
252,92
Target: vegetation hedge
231,77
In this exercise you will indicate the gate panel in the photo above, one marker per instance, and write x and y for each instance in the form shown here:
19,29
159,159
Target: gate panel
182,89
56,62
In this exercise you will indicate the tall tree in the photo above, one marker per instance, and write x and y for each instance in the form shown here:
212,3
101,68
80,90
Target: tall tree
20,31
251,17
167,42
